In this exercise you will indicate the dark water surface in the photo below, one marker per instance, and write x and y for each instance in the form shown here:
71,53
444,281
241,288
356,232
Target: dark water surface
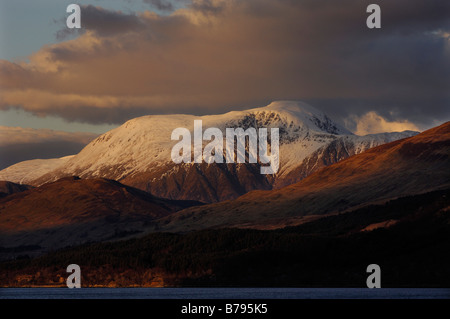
225,293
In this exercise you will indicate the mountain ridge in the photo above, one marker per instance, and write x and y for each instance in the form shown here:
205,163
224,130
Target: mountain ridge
138,153
71,210
411,166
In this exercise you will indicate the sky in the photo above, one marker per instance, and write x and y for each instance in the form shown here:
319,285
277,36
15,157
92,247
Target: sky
139,57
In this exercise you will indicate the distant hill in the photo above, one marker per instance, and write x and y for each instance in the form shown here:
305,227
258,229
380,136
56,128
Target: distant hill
412,251
72,211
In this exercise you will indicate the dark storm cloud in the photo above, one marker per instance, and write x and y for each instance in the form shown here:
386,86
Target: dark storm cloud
207,6
19,144
13,154
161,5
104,22
218,55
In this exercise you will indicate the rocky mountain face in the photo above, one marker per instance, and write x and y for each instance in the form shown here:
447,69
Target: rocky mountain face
138,153
411,166
73,211
336,150
8,188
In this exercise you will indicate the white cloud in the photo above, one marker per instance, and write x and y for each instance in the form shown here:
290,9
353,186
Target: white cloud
372,122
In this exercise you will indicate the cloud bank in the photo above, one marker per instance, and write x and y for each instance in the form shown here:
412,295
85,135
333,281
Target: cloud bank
372,123
219,55
19,144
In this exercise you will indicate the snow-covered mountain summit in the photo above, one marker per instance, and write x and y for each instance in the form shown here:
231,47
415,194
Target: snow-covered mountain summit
292,117
138,153
144,143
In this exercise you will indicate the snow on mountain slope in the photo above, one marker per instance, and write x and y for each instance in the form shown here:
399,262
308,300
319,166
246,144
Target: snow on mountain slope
340,148
138,153
27,171
408,167
143,143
